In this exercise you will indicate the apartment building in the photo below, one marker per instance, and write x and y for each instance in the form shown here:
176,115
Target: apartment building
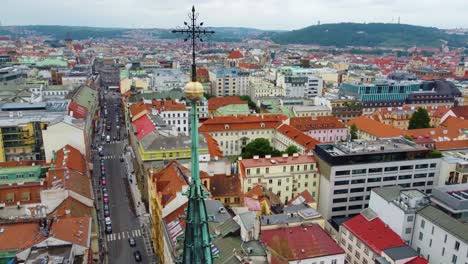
173,113
230,82
366,239
287,176
265,89
349,171
322,128
234,132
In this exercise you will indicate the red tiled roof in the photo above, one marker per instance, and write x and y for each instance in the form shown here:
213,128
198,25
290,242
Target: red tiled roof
73,159
298,136
217,102
72,229
461,111
260,193
246,65
143,126
136,109
307,123
20,236
455,123
303,197
202,72
374,233
71,180
242,122
297,243
168,105
235,54
169,182
78,110
375,128
213,147
7,164
277,161
418,260
451,145
436,134
224,185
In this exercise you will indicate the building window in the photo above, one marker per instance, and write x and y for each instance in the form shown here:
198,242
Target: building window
410,218
443,251
430,242
227,200
423,223
10,197
292,168
408,230
258,171
375,170
25,196
445,239
454,259
284,168
248,171
457,245
420,236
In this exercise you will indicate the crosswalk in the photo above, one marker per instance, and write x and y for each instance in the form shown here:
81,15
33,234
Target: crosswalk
110,157
124,235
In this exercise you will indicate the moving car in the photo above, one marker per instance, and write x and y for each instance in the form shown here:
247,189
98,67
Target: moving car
132,242
137,255
108,138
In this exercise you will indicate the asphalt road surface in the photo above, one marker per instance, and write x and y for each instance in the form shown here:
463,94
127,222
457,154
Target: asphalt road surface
125,223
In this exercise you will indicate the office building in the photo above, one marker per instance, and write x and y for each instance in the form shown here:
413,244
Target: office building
349,171
230,82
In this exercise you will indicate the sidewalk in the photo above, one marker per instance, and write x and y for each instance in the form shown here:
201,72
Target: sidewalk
140,210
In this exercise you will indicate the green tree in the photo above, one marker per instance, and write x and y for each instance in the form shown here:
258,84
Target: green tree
420,119
250,103
291,150
260,147
353,131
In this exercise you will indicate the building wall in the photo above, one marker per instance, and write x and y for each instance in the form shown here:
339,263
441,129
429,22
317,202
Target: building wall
286,180
393,216
58,135
356,251
329,135
230,86
357,187
179,119
231,142
436,244
170,154
22,194
157,236
333,259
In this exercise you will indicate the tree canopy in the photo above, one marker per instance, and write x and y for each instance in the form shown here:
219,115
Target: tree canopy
291,150
353,131
419,119
260,147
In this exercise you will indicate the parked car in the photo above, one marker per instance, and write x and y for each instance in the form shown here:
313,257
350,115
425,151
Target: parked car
121,158
105,190
108,229
137,255
104,182
106,212
106,199
132,242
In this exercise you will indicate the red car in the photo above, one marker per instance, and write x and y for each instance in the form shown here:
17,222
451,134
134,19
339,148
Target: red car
103,182
106,199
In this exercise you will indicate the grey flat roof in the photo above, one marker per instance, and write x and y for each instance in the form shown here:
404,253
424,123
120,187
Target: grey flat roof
453,197
446,222
389,193
402,252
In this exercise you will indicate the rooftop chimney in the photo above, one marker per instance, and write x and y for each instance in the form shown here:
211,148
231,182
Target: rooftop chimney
255,157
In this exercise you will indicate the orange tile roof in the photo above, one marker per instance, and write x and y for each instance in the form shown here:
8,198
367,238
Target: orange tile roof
202,72
437,134
235,54
224,185
307,123
242,122
217,102
19,236
136,109
375,128
213,147
70,157
74,207
169,181
74,181
303,197
168,105
451,145
260,193
298,136
72,229
461,111
20,163
455,123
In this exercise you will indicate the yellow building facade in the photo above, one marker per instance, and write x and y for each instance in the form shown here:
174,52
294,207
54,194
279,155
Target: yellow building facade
22,142
286,176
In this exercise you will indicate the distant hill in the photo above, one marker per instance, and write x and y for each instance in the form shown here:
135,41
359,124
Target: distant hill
370,35
228,34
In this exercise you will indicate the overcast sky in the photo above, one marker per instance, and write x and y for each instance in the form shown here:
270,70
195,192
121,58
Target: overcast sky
264,14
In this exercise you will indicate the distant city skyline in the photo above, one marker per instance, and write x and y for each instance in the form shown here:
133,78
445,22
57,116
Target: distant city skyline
261,14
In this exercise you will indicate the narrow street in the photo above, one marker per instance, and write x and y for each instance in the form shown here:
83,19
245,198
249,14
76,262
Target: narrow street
124,222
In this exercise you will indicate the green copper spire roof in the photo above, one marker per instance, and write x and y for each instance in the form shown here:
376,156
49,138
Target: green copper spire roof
197,240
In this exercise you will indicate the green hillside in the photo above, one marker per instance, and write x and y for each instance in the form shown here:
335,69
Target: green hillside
371,35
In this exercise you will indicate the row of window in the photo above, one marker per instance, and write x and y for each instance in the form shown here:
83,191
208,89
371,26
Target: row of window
386,169
389,178
367,189
292,168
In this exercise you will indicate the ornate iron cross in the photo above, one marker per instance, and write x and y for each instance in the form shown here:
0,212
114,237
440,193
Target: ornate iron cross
193,32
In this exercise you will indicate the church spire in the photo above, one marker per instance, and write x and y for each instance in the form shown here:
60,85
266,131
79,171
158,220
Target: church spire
197,240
